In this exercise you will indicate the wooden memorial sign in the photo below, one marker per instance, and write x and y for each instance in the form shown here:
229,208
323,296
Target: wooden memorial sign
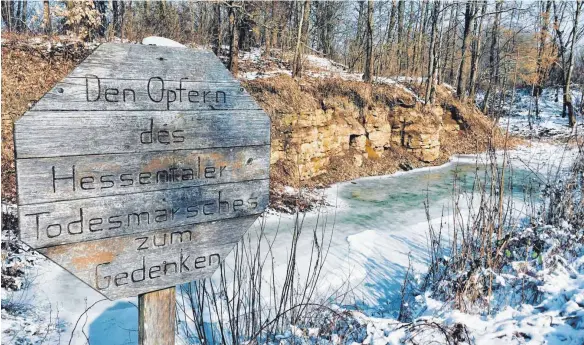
142,168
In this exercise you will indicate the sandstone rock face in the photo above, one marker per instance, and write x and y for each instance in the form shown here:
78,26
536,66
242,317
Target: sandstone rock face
308,140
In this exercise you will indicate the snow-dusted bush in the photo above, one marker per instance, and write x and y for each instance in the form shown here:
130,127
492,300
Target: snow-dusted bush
498,254
255,301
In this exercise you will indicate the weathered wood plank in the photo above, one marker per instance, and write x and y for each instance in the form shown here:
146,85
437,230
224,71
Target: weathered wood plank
133,61
43,134
141,170
44,180
156,317
96,93
63,222
196,252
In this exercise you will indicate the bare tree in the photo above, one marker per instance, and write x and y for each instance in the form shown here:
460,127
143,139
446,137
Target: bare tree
493,56
400,26
475,51
217,28
233,40
542,66
570,66
433,55
367,77
47,18
469,16
301,39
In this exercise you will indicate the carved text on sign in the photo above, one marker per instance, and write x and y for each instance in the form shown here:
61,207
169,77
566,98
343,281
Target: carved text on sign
142,168
157,89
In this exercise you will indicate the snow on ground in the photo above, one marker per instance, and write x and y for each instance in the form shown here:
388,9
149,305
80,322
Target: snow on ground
549,123
320,67
557,319
379,227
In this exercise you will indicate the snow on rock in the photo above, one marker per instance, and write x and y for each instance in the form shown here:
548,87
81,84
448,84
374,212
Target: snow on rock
161,41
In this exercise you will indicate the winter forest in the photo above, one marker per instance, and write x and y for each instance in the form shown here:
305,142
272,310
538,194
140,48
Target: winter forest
426,170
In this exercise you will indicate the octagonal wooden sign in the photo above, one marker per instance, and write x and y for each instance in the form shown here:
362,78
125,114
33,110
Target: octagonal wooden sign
142,168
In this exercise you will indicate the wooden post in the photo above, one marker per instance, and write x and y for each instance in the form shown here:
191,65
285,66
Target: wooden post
156,317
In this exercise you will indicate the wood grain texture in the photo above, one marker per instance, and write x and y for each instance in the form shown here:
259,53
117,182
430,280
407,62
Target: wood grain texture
44,180
138,148
52,134
63,222
134,61
95,93
97,263
156,317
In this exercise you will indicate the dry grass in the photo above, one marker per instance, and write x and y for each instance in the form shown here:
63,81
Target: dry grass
28,72
282,95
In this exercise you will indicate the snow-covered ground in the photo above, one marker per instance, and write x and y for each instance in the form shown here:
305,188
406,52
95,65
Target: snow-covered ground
549,124
319,67
379,227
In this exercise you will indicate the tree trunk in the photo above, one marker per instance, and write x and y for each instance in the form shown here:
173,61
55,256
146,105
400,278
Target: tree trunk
17,15
407,42
541,70
400,26
23,26
233,40
451,77
115,18
476,49
367,77
216,28
123,18
417,54
493,56
47,18
468,20
567,93
433,54
300,39
449,34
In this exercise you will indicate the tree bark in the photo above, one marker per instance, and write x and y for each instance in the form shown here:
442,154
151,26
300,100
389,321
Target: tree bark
541,69
23,12
476,48
493,57
400,26
233,40
468,20
301,39
567,92
47,18
433,55
451,77
367,74
216,28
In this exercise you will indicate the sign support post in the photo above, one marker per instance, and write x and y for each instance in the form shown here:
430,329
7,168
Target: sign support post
156,317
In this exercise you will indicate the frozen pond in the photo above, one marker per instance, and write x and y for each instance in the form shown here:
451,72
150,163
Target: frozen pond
378,224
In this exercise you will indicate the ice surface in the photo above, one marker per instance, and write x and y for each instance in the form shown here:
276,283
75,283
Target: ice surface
380,226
